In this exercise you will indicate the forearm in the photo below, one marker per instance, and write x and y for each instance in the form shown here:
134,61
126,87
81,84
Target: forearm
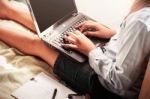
106,33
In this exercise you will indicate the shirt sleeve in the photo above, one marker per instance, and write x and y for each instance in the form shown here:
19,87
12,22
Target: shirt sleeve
118,69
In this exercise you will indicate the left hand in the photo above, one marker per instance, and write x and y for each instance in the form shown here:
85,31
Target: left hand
79,42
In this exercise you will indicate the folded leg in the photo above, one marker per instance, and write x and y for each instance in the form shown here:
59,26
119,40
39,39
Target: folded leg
27,43
20,15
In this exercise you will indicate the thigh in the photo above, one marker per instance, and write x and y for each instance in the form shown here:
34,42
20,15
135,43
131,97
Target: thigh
81,78
75,74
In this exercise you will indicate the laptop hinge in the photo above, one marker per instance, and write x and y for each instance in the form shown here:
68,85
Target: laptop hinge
74,14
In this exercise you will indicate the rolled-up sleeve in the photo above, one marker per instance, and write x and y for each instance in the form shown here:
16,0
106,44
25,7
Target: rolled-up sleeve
118,70
100,62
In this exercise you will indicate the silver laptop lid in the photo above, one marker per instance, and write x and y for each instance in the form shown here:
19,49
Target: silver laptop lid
47,14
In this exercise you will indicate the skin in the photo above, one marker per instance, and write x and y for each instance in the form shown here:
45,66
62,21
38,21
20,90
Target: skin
79,40
30,44
7,11
26,42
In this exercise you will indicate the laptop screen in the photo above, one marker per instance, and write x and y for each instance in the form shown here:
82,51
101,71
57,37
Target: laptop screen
47,12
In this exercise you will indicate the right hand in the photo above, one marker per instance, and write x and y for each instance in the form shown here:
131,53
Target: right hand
97,30
78,41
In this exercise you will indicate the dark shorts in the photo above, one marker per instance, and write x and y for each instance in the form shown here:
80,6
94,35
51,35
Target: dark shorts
81,78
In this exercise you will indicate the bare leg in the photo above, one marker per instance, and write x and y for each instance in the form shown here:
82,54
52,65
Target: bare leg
28,43
22,16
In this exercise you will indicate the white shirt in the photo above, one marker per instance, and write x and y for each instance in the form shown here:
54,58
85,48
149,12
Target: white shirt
122,63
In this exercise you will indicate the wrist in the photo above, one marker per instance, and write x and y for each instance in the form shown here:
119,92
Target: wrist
90,49
110,33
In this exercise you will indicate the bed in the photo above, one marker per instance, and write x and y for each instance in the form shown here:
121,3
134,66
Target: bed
15,67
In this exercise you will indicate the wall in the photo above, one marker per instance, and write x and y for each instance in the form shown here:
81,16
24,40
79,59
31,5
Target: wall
109,12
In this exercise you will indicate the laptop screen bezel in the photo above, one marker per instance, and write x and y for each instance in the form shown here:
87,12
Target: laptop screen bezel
50,28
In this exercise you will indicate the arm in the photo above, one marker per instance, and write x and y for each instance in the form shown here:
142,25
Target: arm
121,64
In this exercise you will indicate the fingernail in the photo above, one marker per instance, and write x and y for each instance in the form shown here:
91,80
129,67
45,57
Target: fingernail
65,37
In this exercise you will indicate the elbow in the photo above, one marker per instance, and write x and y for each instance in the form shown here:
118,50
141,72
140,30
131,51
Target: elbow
118,84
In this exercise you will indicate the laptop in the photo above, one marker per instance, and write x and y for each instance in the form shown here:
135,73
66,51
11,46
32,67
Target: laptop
55,18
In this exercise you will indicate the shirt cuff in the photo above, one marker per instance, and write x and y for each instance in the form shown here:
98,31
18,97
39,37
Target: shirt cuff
94,58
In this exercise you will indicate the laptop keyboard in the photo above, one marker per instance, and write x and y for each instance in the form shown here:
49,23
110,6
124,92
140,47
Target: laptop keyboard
59,40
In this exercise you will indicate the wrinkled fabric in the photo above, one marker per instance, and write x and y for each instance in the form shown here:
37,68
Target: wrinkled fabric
122,64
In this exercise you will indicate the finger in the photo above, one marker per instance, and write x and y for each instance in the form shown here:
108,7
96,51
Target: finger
72,46
77,32
73,35
81,27
69,39
89,33
86,25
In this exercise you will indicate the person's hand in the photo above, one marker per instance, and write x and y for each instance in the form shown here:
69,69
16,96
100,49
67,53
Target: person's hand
79,42
91,28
